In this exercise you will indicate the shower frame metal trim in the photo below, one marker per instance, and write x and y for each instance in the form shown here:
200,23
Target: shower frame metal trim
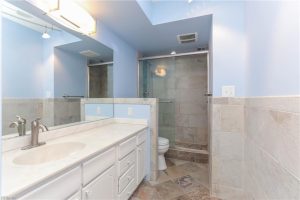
175,55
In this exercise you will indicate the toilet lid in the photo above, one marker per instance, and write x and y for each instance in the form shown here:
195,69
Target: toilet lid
162,141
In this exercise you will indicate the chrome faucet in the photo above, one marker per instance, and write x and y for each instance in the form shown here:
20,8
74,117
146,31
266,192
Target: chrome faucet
36,126
20,124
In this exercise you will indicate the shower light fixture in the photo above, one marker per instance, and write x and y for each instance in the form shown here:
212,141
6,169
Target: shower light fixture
160,71
68,13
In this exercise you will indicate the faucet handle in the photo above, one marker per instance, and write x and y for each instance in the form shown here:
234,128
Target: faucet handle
21,119
36,122
38,119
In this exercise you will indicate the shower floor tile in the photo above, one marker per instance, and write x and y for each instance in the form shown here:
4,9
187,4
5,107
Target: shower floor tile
182,180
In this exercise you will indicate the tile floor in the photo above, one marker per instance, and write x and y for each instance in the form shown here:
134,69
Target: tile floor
182,180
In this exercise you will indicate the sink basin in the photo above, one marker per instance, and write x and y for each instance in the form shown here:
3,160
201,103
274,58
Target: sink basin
47,153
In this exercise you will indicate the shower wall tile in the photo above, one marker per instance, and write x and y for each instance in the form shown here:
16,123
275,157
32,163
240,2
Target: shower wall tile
228,193
265,141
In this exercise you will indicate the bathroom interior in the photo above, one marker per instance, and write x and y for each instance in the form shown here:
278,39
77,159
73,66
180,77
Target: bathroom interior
150,100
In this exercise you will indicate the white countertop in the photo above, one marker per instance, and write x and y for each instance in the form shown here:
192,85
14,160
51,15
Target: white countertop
18,178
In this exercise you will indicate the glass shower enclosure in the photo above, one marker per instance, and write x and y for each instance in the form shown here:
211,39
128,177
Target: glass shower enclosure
180,83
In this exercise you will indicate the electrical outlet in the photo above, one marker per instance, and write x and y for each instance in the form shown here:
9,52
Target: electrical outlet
98,110
228,91
130,111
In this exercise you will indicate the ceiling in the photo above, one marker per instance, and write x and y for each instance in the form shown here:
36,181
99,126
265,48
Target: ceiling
128,20
24,18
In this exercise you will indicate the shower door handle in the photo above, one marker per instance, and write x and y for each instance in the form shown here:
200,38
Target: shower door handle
208,94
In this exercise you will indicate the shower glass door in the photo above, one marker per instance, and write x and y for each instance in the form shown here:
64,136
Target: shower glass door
180,84
157,80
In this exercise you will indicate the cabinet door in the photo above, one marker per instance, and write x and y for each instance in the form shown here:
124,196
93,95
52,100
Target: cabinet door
141,162
61,187
103,187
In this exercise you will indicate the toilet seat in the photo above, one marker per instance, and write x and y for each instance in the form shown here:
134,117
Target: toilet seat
163,141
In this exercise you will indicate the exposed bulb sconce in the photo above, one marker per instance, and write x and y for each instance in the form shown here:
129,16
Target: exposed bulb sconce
45,34
160,71
68,13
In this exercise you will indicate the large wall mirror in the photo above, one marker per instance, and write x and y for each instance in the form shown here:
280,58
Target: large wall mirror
49,73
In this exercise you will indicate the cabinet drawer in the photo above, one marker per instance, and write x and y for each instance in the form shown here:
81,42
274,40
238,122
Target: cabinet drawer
126,147
97,165
61,187
126,178
141,162
128,191
141,137
126,162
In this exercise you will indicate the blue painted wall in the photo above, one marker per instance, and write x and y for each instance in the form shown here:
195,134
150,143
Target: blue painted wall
106,110
273,48
139,111
228,36
70,74
125,62
254,44
22,61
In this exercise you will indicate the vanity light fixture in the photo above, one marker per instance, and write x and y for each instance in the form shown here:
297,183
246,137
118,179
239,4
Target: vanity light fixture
69,14
45,34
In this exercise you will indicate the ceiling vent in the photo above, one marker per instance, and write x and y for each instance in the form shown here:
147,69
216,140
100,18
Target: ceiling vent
187,38
89,53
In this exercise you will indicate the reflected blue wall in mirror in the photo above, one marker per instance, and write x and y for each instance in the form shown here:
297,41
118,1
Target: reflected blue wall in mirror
28,61
70,74
22,72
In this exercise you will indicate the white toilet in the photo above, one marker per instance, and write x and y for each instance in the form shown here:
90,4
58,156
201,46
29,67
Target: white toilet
163,146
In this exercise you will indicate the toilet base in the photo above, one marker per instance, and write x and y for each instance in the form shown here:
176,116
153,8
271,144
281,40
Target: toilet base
162,162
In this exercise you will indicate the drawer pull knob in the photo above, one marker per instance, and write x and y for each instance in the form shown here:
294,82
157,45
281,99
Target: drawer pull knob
129,177
128,163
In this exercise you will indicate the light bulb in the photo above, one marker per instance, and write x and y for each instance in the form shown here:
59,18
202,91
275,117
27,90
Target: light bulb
45,35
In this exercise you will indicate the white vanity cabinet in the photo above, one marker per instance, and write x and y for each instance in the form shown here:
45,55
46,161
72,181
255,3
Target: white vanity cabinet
110,175
62,187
